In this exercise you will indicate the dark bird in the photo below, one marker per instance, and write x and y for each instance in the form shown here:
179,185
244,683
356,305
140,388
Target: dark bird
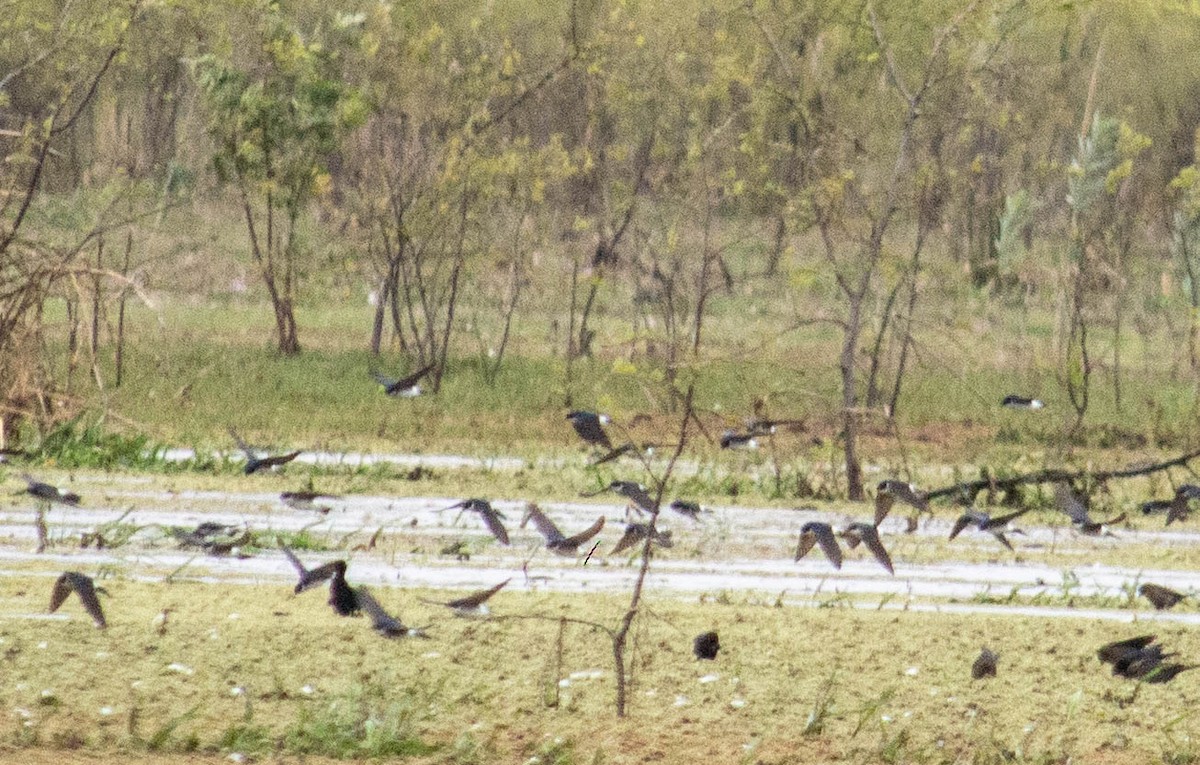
985,664
984,522
48,493
213,538
255,463
1137,659
706,645
1179,510
761,427
472,605
684,507
555,540
383,622
646,451
341,596
306,500
631,490
491,517
405,387
590,427
1162,597
81,585
1070,504
636,532
1013,401
818,533
891,490
868,535
731,439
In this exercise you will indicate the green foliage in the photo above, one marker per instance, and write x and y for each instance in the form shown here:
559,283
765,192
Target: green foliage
368,722
73,445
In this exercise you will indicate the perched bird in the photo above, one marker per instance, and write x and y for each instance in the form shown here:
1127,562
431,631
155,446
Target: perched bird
1070,504
306,500
590,427
563,545
1137,659
731,439
81,585
984,522
818,533
48,493
405,387
756,426
891,490
383,622
684,507
1162,597
636,532
255,463
631,490
1013,401
342,597
985,664
706,645
868,535
472,605
214,538
491,518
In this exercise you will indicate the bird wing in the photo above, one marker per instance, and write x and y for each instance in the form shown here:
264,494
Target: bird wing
380,619
319,574
1001,520
1114,651
999,535
613,454
86,591
1161,597
245,447
584,535
278,459
870,538
478,598
588,427
633,533
883,505
62,588
963,521
544,525
905,493
411,380
637,494
491,519
1070,504
291,556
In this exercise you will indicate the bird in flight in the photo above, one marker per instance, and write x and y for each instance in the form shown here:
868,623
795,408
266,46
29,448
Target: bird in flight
1140,658
816,533
81,585
731,439
1013,401
255,463
48,493
590,427
1070,504
631,490
342,598
405,387
868,535
891,490
984,522
555,540
474,604
306,500
1161,597
686,508
383,622
636,532
491,517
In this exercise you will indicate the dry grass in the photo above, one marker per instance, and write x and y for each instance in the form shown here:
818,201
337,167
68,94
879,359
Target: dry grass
866,686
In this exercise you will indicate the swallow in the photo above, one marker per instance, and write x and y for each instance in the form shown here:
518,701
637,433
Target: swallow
313,577
383,622
761,427
213,538
631,490
868,535
1013,401
706,645
306,500
1137,659
254,463
636,532
984,522
81,585
491,518
405,387
1070,504
891,490
1111,653
985,664
818,533
590,427
645,450
731,439
563,545
1162,597
1179,509
472,605
48,493
689,509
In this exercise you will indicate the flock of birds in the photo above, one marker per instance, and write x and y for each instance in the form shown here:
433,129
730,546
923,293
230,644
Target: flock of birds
1139,658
